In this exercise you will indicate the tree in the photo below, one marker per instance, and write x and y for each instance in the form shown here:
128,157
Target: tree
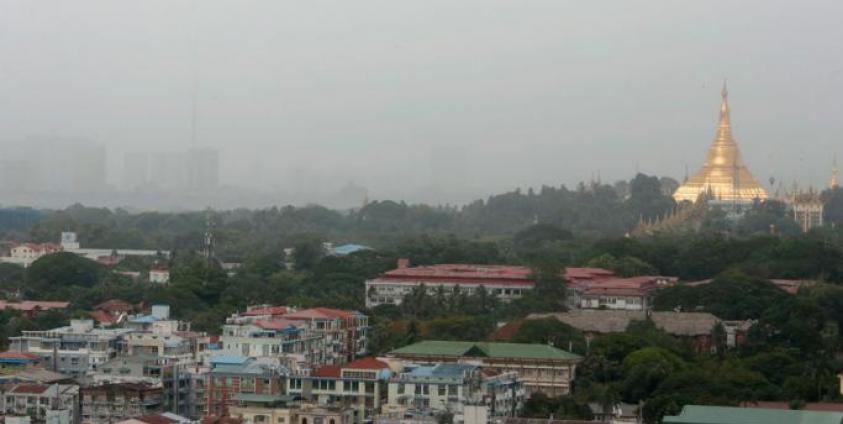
53,274
550,331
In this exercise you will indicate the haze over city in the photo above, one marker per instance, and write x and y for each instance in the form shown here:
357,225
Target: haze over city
434,101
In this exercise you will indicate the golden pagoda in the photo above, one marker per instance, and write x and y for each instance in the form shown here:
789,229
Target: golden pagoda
724,177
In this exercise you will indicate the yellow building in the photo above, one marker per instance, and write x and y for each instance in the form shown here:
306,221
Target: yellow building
724,176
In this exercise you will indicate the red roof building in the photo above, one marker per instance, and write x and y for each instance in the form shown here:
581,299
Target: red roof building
631,293
265,310
32,307
504,281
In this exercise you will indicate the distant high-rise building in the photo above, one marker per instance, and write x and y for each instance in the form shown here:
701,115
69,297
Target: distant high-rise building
135,170
203,167
66,165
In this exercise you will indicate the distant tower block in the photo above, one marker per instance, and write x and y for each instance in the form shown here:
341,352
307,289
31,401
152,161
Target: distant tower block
833,182
807,209
724,174
69,241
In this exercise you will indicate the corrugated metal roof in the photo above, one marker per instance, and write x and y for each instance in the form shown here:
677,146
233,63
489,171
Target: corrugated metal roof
486,349
697,414
229,359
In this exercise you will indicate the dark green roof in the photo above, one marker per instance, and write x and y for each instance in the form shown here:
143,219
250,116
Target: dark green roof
695,414
255,397
486,349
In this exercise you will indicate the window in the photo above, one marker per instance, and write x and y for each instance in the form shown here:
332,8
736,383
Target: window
351,386
453,390
400,388
442,389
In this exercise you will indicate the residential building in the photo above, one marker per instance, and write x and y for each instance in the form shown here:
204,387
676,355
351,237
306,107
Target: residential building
70,243
293,341
632,293
111,312
345,333
156,334
317,414
30,308
38,400
173,376
541,368
301,339
696,327
10,361
232,375
359,385
162,418
262,409
33,251
108,403
159,273
430,390
504,282
74,349
697,414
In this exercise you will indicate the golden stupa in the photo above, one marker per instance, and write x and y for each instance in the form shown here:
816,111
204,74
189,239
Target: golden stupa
724,177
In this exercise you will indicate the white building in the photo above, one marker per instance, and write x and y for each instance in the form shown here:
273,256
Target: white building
159,273
502,281
74,349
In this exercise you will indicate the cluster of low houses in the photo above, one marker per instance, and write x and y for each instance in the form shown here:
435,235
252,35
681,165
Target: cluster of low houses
25,254
274,364
269,365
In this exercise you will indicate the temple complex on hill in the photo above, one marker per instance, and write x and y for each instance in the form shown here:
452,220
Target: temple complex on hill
724,175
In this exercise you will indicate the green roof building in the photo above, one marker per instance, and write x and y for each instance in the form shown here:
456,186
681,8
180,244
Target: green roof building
696,414
542,368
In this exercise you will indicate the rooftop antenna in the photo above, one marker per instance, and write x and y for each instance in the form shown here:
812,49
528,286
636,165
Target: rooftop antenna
194,75
208,248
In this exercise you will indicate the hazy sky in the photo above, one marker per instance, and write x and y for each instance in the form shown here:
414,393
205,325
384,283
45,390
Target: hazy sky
400,95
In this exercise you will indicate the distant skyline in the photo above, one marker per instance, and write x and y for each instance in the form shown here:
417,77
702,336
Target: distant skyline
434,101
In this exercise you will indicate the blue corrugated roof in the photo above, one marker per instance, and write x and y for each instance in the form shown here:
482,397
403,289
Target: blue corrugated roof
348,249
144,319
229,359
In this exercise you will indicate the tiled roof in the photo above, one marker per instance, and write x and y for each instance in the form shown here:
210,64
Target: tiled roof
327,371
114,305
9,354
609,321
35,389
32,305
573,273
487,349
366,364
268,310
506,332
317,313
213,419
102,317
456,273
156,419
274,324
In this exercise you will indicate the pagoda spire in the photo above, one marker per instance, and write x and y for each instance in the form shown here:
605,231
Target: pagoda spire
724,128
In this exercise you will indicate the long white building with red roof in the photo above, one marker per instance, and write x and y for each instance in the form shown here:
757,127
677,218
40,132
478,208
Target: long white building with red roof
595,288
506,282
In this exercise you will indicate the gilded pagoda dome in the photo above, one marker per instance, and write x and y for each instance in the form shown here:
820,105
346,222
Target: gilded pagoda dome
724,176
